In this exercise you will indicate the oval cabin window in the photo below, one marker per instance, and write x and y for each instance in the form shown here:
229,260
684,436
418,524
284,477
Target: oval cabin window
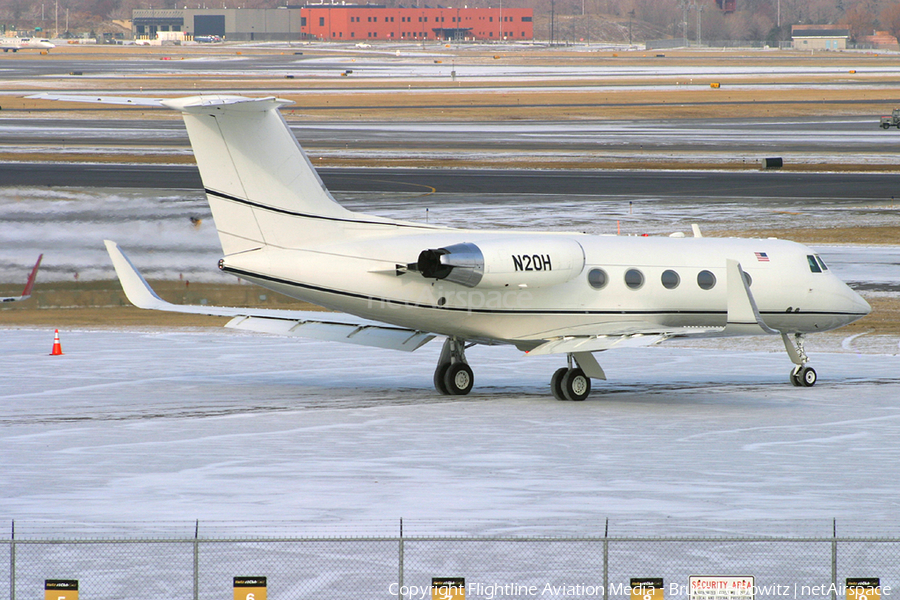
634,278
597,278
706,280
670,279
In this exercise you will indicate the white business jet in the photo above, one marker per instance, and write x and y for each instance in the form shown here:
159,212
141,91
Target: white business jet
29,284
16,44
401,284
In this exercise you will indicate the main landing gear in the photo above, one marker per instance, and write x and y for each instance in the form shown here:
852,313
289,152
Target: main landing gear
453,376
570,383
802,375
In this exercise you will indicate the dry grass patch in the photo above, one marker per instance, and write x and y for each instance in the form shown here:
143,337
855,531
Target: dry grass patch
877,235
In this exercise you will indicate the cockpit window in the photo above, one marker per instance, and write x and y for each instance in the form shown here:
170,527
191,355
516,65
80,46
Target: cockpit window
821,263
813,264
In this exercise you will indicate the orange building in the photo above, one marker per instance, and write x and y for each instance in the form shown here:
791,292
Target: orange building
345,22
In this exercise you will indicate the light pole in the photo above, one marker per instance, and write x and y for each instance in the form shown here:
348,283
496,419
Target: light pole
699,22
630,18
552,17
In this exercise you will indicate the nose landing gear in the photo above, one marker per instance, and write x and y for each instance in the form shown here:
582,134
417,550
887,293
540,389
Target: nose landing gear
802,375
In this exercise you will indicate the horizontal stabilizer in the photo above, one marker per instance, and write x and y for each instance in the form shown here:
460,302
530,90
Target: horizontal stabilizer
120,100
189,104
320,325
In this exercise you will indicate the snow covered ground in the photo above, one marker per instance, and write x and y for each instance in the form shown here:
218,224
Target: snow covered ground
169,425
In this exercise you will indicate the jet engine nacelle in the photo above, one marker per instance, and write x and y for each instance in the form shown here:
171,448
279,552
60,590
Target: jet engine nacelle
531,261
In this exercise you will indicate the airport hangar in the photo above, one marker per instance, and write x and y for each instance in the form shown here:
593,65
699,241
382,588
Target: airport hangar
339,22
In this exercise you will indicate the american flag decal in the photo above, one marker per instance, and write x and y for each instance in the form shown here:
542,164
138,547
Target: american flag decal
762,256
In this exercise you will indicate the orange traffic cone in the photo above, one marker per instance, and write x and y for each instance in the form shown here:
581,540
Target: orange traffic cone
57,347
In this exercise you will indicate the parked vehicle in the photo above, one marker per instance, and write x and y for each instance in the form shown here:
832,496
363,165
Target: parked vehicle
894,119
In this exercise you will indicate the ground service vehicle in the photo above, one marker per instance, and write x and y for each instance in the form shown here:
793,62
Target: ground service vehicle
894,120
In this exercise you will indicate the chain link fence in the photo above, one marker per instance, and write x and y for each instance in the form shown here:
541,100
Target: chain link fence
200,566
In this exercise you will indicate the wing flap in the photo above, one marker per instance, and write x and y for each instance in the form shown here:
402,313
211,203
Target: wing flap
378,336
597,343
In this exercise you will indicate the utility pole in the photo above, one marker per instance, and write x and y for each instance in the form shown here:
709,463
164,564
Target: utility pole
630,18
699,22
552,16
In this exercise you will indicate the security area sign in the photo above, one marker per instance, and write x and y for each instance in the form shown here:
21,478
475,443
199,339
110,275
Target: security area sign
60,589
721,588
648,588
865,588
249,588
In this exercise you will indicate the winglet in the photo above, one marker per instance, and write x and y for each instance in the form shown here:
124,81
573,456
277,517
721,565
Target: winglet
136,288
29,285
743,315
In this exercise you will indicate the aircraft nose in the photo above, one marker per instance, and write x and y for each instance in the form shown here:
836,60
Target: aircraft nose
856,305
860,303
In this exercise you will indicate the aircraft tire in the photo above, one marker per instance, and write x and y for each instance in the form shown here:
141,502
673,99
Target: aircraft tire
459,379
807,377
439,373
795,377
576,385
556,383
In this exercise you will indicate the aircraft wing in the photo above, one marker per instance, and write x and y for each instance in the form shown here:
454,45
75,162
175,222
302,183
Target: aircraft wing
742,318
29,285
335,327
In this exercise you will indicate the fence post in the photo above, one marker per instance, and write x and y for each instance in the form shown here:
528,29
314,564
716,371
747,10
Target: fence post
12,562
400,572
834,559
606,561
197,560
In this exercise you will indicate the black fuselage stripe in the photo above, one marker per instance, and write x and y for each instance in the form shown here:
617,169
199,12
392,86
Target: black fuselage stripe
292,213
373,299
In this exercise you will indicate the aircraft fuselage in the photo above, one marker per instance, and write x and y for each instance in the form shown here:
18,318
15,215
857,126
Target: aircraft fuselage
618,284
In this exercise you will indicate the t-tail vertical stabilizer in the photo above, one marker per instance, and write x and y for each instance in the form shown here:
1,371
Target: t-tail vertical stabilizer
261,186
